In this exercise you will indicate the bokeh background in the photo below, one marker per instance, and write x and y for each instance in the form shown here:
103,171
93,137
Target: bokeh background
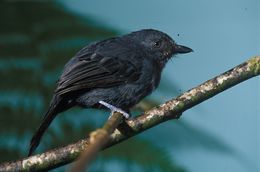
221,134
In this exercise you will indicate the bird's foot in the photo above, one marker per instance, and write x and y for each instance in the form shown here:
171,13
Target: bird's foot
114,109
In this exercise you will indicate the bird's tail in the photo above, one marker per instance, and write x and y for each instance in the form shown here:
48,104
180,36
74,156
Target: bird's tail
49,116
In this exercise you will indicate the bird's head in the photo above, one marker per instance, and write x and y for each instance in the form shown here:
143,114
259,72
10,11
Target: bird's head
161,46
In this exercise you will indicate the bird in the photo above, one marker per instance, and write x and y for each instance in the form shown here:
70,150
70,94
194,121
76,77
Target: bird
115,73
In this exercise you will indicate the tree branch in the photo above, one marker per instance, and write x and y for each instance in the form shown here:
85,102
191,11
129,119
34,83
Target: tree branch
170,110
98,139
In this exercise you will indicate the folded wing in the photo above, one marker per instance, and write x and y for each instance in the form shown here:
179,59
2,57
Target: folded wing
97,71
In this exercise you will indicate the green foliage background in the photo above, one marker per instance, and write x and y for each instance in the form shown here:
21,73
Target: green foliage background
36,40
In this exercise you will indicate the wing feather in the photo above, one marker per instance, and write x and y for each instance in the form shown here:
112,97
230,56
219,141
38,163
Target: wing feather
97,71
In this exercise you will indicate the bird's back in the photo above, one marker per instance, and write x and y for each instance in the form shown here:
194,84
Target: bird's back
111,70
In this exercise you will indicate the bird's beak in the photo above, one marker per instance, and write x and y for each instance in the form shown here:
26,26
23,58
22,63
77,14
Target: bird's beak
181,49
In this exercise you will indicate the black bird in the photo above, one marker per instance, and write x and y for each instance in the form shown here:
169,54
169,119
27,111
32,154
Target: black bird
116,73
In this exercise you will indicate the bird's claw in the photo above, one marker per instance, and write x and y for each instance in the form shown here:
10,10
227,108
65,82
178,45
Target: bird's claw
114,109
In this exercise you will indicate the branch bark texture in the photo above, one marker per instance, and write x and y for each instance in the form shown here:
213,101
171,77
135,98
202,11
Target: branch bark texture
98,139
171,109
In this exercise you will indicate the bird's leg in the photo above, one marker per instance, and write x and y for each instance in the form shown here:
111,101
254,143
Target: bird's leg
114,109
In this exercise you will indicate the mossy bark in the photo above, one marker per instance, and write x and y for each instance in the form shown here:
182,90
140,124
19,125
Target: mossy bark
172,109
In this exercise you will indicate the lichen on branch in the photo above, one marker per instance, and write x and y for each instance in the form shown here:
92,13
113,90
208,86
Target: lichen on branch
171,109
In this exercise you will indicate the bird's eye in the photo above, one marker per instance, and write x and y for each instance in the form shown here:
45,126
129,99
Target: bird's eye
157,44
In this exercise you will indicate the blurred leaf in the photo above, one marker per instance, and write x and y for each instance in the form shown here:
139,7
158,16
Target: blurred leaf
183,136
36,39
196,137
143,153
186,136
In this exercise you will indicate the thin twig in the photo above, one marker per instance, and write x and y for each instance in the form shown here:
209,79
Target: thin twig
98,139
170,110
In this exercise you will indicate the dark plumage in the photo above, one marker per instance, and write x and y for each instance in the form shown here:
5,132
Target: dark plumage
119,71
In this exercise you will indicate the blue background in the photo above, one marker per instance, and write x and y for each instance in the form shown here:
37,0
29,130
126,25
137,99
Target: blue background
222,34
221,134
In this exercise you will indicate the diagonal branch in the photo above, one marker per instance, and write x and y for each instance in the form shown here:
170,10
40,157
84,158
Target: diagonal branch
169,110
98,139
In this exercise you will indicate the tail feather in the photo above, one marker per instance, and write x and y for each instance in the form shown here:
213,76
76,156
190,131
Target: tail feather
49,116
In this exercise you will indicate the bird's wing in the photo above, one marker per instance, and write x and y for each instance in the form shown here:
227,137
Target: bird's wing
97,71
